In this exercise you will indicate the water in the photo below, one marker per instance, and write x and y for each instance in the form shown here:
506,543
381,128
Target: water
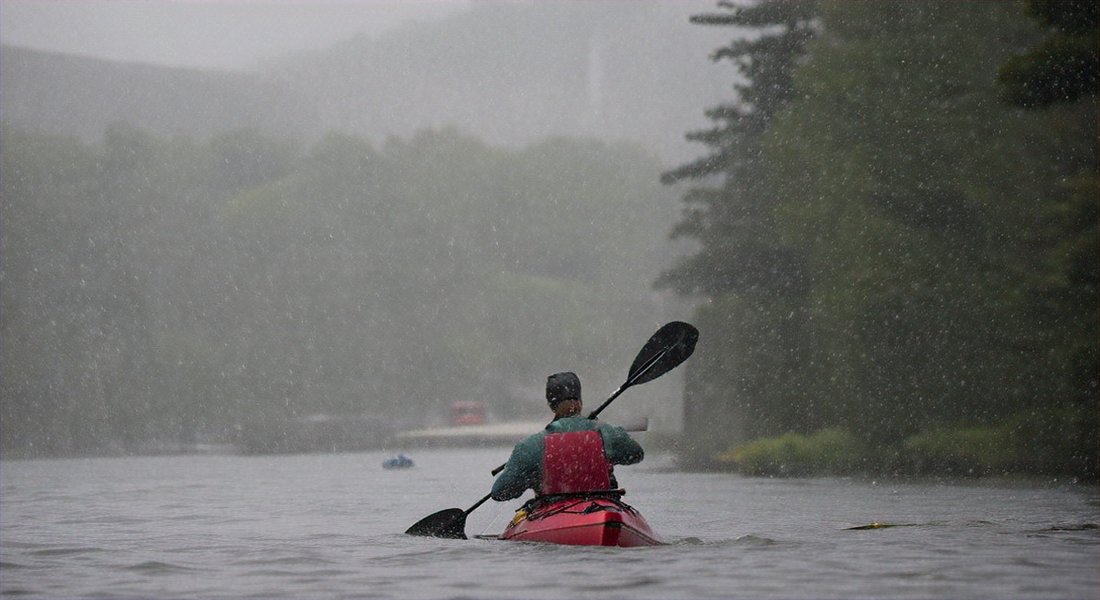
330,526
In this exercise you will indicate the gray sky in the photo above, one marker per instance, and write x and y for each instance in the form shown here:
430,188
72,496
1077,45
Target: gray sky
225,34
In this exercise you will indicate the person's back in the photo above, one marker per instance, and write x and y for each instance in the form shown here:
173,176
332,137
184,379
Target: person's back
572,454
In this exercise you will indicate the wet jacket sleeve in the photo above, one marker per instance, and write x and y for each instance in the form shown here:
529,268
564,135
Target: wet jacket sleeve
620,448
522,471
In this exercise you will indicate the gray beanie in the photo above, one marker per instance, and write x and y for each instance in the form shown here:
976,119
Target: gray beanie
562,386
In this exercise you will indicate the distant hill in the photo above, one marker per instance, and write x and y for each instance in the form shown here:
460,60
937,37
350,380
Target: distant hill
69,95
512,72
508,72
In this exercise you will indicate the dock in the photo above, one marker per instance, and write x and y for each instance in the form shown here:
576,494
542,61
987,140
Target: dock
491,434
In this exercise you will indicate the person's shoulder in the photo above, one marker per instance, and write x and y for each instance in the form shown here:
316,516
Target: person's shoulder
533,439
574,423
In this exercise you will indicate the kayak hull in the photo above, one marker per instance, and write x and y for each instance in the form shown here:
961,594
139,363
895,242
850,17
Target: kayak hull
582,520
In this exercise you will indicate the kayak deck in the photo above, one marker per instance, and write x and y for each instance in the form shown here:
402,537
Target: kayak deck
585,519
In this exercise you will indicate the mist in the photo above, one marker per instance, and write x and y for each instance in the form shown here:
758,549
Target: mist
246,258
214,238
224,35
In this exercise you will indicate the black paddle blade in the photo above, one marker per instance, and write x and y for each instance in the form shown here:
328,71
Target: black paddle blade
450,523
670,346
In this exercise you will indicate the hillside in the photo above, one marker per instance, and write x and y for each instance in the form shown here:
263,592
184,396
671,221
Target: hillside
514,72
510,73
69,95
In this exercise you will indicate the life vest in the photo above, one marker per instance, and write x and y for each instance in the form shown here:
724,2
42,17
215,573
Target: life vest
574,461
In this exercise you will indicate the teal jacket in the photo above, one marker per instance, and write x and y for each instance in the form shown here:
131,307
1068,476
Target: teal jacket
524,468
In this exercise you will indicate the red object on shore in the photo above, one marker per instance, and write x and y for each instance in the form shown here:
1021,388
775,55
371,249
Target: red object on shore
467,412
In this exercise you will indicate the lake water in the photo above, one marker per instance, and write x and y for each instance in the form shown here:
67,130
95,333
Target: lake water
331,526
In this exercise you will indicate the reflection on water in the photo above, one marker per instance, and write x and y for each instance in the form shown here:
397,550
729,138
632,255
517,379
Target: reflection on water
322,526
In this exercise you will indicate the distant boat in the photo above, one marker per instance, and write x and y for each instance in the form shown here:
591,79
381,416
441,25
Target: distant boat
398,462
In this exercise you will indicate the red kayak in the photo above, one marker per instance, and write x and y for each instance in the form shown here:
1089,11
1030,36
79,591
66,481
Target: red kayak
584,519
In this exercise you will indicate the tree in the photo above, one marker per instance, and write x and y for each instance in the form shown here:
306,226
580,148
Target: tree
1063,67
946,244
913,193
1058,75
756,283
733,223
159,291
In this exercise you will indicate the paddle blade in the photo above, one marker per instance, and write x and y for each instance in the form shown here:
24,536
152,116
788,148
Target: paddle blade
450,523
670,346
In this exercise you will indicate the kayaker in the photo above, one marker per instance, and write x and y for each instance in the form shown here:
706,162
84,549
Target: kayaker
573,453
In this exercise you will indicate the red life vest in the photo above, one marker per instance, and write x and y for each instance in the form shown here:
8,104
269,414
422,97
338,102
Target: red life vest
574,462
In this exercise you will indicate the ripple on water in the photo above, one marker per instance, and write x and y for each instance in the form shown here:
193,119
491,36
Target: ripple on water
287,560
155,567
755,540
63,551
689,541
746,541
1080,527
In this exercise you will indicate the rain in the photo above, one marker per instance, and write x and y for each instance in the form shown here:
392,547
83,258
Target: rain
315,231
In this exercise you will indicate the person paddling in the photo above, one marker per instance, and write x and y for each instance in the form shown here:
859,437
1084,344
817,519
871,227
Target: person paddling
573,453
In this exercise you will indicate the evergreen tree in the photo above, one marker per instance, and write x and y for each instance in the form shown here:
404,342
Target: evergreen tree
1058,76
924,207
738,387
739,252
1064,66
945,244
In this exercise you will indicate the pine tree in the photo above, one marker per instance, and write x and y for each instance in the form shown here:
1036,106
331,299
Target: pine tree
732,223
737,386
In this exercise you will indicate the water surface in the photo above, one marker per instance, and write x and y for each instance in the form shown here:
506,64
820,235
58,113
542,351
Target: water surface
330,526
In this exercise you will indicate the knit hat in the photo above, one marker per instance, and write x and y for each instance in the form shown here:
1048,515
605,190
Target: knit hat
562,386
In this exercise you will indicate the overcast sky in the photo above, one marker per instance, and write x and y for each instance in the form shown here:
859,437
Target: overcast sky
223,34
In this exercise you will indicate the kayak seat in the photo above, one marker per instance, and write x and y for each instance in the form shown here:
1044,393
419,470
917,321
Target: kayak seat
543,500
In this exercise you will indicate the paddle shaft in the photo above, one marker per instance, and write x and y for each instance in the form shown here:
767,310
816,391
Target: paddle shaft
630,381
622,388
478,503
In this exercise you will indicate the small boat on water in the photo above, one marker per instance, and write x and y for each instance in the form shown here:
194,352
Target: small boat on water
398,462
582,519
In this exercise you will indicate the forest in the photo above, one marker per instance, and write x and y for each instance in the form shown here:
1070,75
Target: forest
900,266
163,291
890,243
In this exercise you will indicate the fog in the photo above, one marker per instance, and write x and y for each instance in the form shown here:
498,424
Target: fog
511,73
228,35
307,226
383,285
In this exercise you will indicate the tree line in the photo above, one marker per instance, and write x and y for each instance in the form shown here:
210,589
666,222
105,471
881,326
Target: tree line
898,240
163,291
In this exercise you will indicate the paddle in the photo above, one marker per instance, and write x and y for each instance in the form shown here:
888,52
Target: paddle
665,350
